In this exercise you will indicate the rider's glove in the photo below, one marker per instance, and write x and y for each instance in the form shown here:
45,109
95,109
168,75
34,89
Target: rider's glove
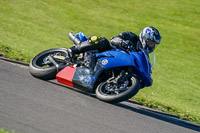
127,44
124,44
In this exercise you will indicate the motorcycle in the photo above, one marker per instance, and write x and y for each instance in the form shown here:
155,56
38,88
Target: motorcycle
114,75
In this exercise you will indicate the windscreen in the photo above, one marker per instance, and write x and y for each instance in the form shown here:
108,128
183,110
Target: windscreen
152,59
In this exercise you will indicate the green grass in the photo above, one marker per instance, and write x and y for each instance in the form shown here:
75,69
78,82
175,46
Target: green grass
28,27
2,130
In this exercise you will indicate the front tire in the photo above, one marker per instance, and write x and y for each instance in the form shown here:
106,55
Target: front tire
103,95
37,67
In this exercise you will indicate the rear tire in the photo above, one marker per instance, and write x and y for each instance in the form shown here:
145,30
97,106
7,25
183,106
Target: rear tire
38,70
122,96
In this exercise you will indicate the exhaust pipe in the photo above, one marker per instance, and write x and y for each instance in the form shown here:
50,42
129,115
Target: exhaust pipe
74,39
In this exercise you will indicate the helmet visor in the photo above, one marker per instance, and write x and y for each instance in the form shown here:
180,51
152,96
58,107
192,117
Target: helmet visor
150,43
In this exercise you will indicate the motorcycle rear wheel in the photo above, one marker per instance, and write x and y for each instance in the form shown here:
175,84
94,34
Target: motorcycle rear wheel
103,95
40,70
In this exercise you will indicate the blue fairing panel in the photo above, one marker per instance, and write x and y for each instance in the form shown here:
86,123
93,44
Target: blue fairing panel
112,59
141,60
144,68
138,60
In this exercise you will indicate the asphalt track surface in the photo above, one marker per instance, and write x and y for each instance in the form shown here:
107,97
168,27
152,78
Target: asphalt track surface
30,105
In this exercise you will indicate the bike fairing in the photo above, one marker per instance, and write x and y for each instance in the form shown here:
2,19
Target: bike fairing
107,60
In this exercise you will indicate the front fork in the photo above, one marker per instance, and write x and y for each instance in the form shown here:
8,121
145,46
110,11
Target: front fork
118,83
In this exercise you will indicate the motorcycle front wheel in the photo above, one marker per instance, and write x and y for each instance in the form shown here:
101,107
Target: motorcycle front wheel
40,67
103,92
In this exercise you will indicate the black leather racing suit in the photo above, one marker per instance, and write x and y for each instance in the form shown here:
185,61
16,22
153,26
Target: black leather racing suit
123,38
120,40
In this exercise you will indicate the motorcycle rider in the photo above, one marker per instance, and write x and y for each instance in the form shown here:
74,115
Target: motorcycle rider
148,39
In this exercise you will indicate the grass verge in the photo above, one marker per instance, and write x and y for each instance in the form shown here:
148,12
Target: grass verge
2,130
168,109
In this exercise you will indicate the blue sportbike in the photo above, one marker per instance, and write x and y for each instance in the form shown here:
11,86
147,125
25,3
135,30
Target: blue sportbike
115,75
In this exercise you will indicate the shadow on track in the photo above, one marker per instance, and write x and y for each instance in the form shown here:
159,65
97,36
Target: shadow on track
135,107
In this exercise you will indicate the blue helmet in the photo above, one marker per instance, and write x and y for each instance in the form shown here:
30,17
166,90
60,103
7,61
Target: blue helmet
149,37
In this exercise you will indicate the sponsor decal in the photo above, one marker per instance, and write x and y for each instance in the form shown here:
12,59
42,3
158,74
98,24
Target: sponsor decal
104,62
